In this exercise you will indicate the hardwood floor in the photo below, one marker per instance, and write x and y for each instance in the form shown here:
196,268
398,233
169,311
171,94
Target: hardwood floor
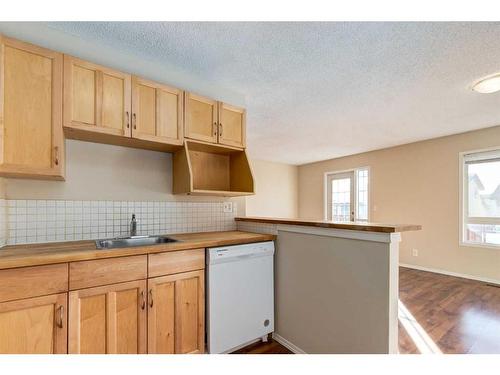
270,347
460,316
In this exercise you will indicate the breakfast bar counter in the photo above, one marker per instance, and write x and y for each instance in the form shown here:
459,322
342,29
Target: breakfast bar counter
336,283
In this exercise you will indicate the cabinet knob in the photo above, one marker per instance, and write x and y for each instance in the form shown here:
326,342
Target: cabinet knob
215,129
128,119
220,131
134,117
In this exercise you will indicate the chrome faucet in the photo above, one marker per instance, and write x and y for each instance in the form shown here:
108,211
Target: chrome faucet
133,226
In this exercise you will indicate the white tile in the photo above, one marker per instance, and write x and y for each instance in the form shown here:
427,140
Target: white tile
61,220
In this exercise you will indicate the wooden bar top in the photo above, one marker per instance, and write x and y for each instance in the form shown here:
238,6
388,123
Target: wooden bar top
61,252
354,225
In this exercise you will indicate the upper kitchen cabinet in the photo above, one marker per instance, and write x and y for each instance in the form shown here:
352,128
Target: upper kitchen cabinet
214,122
232,125
31,142
107,106
201,118
200,168
157,114
96,99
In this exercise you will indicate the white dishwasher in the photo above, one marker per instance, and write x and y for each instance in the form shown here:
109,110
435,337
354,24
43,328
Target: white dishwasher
240,303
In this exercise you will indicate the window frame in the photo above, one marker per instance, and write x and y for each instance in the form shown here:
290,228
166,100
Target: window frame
464,202
355,194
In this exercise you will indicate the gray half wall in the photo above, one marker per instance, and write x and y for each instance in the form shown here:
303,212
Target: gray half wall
335,295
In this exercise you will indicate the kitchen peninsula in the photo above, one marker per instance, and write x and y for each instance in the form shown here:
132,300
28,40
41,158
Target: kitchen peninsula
336,283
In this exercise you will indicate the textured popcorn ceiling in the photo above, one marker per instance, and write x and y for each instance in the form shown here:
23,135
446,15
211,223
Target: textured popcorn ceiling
320,90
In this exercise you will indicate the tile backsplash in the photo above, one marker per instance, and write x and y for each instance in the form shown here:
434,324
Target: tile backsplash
34,221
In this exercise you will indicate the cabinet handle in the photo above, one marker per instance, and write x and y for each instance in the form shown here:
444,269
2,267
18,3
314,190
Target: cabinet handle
56,155
220,132
215,129
128,119
151,298
143,299
61,316
134,117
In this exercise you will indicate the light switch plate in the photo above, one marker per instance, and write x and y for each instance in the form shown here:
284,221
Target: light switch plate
228,207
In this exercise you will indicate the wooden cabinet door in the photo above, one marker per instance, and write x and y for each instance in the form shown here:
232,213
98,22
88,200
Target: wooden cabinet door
34,325
200,118
232,124
176,319
108,319
96,98
157,113
190,312
32,142
161,315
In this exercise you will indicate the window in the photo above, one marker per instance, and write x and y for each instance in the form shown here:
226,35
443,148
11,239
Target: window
347,195
362,194
481,198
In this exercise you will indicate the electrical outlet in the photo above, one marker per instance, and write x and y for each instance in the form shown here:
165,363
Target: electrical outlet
228,207
414,252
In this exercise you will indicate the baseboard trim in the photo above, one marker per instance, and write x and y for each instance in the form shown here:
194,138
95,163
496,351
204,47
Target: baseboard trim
240,346
449,273
287,344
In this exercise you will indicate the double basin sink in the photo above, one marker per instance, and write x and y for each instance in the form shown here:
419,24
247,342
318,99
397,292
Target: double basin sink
133,241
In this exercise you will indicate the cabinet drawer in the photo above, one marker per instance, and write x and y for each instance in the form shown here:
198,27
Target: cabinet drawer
91,273
26,282
176,262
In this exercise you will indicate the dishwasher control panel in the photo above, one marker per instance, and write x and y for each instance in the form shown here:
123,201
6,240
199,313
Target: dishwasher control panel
220,254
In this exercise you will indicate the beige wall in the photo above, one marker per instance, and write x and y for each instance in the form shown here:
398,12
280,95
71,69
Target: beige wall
415,183
104,172
276,190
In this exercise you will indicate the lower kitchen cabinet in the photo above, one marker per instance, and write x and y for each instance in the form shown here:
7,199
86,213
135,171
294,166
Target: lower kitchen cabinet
106,306
176,317
108,319
34,325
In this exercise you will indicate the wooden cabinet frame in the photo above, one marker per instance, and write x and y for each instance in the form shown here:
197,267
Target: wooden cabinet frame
201,168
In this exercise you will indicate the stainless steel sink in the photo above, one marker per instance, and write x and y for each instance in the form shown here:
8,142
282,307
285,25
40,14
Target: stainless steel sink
134,241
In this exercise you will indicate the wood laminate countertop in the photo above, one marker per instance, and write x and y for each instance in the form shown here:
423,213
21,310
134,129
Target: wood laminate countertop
355,225
61,252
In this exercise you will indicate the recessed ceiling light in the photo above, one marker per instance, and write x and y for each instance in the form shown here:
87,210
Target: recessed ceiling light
488,85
